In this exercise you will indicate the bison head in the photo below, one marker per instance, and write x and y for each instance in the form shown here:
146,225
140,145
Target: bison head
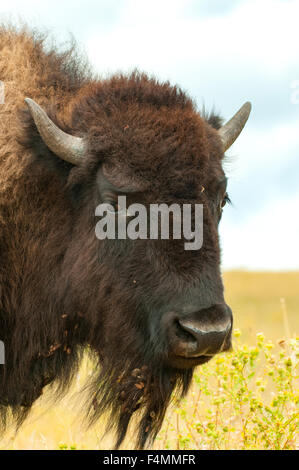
151,309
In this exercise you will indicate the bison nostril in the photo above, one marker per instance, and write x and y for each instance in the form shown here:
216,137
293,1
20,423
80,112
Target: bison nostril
184,342
183,333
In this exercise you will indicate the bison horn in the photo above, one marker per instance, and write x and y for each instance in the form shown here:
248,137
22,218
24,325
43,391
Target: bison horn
66,146
232,129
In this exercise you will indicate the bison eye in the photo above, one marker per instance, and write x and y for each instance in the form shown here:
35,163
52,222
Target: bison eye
225,200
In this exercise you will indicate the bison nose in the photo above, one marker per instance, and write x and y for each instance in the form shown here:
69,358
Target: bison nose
203,333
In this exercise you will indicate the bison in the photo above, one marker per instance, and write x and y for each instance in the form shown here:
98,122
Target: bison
148,311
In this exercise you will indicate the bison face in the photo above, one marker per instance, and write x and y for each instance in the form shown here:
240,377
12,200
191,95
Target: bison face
177,292
151,309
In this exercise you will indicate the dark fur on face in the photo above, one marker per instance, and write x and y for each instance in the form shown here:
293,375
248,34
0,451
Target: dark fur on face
61,289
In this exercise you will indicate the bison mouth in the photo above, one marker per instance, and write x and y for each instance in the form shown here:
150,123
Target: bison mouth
182,362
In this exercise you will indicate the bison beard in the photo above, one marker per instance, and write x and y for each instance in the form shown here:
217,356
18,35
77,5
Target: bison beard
144,391
133,377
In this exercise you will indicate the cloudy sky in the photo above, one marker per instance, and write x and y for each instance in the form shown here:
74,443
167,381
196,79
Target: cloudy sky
222,53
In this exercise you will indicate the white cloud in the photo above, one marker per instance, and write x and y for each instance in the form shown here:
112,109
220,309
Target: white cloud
260,149
157,34
269,239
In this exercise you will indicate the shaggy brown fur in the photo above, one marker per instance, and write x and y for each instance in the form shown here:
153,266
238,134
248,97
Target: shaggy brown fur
61,289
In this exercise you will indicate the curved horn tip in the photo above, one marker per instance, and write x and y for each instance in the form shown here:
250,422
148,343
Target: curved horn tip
69,148
248,106
231,130
30,102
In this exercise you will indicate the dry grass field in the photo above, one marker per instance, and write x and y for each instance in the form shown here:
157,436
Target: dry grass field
245,399
267,302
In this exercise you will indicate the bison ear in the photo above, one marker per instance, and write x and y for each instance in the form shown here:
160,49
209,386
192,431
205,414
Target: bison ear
232,129
69,148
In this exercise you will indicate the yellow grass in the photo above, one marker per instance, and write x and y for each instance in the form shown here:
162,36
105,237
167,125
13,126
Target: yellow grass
256,297
261,302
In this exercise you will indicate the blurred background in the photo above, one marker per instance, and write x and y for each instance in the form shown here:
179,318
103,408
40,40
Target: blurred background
222,53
